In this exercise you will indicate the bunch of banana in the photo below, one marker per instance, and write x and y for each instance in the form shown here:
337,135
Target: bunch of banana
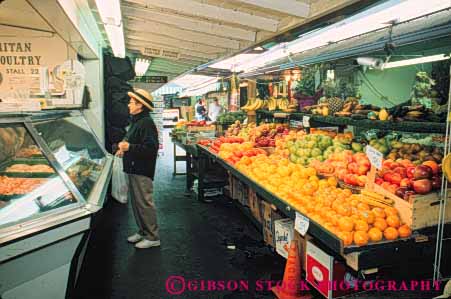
255,105
282,104
272,104
249,103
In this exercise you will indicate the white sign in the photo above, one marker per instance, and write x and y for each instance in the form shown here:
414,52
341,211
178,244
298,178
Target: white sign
301,224
374,156
306,121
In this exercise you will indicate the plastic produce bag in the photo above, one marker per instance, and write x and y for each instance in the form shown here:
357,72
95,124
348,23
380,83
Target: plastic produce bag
119,181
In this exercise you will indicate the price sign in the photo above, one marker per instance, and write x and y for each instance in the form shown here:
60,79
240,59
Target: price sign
306,121
301,224
374,156
295,124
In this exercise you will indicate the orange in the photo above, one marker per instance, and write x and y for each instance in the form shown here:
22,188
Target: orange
380,223
363,206
393,221
375,234
346,237
361,238
332,181
378,212
346,224
391,211
347,192
344,210
391,233
404,231
361,225
354,202
368,216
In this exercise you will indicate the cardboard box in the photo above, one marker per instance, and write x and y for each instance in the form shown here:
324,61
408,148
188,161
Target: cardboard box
302,247
270,215
283,232
254,205
329,276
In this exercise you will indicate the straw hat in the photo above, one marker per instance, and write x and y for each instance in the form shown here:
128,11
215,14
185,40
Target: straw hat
143,97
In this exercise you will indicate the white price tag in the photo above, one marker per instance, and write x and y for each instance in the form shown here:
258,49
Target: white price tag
301,224
374,156
306,121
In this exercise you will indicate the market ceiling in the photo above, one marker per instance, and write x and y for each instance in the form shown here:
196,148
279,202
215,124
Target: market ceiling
180,35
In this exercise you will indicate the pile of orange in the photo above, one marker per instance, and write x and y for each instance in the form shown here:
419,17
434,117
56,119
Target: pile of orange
336,209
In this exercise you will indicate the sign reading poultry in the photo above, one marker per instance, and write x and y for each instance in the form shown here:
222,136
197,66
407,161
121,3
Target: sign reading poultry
22,60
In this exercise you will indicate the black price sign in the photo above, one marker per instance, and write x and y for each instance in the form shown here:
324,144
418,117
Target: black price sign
151,79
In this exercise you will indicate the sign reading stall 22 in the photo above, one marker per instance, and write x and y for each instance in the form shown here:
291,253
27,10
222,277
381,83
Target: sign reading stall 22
151,79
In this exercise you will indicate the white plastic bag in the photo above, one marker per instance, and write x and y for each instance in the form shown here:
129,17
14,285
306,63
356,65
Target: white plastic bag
119,181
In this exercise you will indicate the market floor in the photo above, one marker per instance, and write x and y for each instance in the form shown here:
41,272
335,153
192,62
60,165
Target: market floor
196,243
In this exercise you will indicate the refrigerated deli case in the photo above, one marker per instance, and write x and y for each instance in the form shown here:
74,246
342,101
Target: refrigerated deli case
53,178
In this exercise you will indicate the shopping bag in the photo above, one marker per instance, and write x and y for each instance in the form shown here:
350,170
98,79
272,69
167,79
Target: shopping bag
119,181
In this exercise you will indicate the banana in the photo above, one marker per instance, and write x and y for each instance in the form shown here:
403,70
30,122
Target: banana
446,167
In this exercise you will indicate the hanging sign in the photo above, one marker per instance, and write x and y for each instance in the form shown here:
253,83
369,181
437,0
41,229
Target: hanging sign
301,224
374,156
306,121
151,79
158,52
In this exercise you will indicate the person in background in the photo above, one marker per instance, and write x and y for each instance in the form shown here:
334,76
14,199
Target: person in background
139,150
200,110
214,110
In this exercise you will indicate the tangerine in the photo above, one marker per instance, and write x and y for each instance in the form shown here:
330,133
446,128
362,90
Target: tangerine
368,216
378,212
346,224
391,211
375,234
393,221
346,237
391,233
363,206
404,231
360,225
380,223
361,238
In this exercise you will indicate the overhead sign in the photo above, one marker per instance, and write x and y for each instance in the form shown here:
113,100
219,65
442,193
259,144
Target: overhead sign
158,52
151,79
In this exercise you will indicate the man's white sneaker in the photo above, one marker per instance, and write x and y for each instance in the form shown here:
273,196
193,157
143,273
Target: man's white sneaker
135,238
147,244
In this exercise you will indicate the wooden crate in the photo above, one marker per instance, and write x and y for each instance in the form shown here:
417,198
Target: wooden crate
254,205
420,211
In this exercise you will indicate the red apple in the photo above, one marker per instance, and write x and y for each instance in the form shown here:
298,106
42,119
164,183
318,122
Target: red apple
433,165
387,176
405,183
394,165
401,170
405,163
410,172
401,191
362,169
422,172
378,181
353,167
436,182
361,180
395,178
392,188
422,186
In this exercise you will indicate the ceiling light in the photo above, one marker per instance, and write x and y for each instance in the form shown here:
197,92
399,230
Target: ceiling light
141,66
110,13
413,61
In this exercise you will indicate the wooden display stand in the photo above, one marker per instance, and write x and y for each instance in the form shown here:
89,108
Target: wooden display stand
187,112
419,212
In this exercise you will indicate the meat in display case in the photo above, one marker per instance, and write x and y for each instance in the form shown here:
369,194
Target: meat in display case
49,164
54,175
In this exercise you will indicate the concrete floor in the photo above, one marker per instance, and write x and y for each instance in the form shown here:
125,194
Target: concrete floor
194,240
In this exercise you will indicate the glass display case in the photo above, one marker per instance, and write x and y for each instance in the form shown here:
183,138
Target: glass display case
51,165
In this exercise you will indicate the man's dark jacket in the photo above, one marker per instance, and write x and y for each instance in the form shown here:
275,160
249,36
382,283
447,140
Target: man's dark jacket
143,139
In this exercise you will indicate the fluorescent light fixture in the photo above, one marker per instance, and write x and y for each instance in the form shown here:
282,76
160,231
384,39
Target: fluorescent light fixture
233,63
110,13
189,81
413,61
141,66
374,18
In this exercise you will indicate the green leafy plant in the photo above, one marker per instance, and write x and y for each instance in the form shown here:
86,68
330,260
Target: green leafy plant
306,85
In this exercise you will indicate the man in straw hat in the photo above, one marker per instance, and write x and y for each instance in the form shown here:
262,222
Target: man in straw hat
140,149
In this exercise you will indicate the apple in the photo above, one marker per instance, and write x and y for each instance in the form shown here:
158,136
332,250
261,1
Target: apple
362,169
395,178
361,180
401,170
379,181
394,165
422,186
422,172
387,163
410,172
436,182
392,188
405,163
401,191
405,183
433,165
